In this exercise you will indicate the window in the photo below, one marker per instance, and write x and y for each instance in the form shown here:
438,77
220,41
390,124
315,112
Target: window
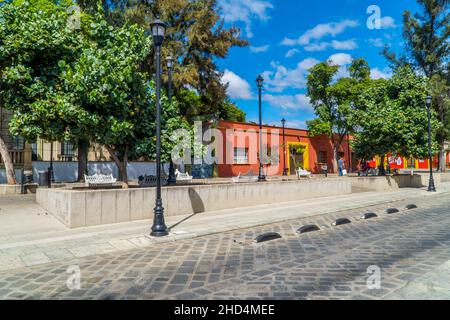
240,155
67,148
322,157
18,143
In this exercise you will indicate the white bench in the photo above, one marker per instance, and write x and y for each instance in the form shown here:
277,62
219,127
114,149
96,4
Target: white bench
248,177
99,180
303,173
182,176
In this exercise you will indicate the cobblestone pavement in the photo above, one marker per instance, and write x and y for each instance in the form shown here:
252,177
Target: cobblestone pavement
327,264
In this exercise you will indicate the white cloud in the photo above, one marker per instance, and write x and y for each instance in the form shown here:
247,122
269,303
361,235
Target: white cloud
288,42
245,11
380,74
387,22
344,45
320,31
335,44
290,123
282,77
291,53
317,46
376,42
238,88
340,59
259,49
289,102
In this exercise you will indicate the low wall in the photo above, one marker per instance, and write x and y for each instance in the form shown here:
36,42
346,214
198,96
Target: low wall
387,183
445,176
68,171
94,207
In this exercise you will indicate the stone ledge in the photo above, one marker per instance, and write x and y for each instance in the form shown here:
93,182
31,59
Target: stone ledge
80,208
8,189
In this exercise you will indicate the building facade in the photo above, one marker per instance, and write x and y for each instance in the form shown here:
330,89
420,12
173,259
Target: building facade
292,150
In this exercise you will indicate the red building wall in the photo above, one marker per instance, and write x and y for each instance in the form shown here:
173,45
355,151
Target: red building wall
246,135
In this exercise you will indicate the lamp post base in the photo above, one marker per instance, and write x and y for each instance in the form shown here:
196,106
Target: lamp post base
431,187
159,228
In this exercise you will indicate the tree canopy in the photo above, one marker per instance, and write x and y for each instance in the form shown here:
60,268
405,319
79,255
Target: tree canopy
195,36
391,117
333,99
88,83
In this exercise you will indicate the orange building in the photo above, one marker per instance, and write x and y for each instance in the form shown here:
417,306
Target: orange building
240,148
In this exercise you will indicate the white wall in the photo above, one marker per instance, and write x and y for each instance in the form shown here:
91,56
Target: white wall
18,173
67,171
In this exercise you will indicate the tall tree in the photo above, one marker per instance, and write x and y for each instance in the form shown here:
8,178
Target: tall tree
427,49
85,84
333,100
195,37
390,117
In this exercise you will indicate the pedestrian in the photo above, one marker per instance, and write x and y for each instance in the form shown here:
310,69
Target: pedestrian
341,166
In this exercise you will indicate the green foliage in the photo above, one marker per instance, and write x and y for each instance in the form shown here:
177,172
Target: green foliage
195,36
296,149
427,49
333,100
80,84
391,117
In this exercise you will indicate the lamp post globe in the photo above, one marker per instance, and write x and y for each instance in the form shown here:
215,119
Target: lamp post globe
431,186
159,228
259,83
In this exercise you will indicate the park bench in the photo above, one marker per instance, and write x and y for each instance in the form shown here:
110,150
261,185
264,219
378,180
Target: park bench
183,176
248,177
303,173
99,180
150,181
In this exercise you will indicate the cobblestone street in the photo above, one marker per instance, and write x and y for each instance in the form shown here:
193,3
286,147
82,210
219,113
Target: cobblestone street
328,264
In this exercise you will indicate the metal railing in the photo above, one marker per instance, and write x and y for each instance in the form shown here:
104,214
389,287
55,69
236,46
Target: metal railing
17,157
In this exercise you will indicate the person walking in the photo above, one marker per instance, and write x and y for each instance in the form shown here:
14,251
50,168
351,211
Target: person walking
341,166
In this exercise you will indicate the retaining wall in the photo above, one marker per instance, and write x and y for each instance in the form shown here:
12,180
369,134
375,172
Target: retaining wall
79,208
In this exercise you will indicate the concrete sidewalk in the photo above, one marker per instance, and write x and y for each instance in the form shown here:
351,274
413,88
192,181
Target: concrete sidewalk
37,246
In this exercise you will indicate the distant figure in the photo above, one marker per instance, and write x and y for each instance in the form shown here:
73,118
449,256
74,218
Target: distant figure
341,166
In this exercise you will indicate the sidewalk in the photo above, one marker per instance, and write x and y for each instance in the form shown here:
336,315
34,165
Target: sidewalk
40,247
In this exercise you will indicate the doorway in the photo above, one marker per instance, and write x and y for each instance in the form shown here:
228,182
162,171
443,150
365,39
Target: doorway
298,156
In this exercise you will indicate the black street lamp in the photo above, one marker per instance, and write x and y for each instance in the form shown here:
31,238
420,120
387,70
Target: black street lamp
283,123
169,60
431,187
50,176
259,83
159,227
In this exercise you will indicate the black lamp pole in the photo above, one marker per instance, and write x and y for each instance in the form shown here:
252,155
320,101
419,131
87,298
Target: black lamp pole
172,178
159,227
50,178
259,82
431,187
283,122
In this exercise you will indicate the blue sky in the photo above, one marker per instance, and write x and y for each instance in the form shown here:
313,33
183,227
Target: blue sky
287,37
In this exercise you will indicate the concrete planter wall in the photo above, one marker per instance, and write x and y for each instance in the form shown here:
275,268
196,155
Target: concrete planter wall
95,207
388,183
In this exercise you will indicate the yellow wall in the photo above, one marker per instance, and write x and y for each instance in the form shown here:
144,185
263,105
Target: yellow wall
305,154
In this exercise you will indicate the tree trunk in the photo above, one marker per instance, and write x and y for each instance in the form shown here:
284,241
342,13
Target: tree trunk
442,154
335,157
381,167
9,166
121,165
83,146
